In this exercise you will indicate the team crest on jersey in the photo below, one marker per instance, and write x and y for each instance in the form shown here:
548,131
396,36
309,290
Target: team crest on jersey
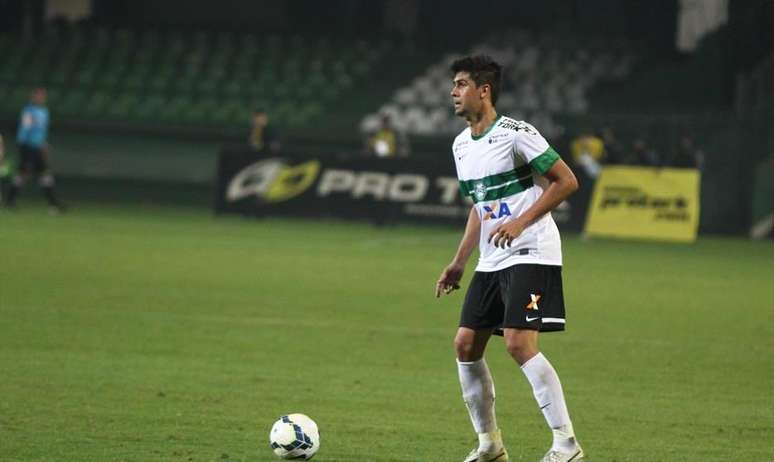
479,191
502,211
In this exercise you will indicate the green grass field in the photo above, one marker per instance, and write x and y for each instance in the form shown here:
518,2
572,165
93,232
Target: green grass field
135,334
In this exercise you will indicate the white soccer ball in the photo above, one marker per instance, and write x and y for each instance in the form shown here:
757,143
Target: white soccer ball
295,436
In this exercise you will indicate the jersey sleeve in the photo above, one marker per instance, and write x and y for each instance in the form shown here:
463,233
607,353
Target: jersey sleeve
530,145
463,190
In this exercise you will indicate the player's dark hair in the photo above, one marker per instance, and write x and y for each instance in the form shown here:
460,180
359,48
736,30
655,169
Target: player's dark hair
483,70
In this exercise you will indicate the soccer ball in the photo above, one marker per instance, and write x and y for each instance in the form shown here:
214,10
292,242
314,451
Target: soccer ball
295,436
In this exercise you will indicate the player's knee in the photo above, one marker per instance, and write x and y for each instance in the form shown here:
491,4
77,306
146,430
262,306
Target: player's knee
466,349
47,180
520,349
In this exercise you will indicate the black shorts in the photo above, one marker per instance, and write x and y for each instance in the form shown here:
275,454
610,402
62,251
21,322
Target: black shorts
523,296
31,160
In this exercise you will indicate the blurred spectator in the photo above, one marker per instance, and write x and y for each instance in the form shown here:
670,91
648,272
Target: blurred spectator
642,154
588,150
614,151
387,141
32,139
687,155
262,135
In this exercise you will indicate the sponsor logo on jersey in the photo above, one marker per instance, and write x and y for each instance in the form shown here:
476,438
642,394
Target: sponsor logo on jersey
533,305
502,211
518,126
272,180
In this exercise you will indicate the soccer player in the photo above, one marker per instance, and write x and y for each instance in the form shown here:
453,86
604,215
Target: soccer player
515,179
33,150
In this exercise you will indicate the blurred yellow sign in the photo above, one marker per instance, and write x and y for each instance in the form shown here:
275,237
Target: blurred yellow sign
645,203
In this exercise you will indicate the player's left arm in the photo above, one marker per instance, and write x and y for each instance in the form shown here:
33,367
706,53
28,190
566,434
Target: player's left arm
561,184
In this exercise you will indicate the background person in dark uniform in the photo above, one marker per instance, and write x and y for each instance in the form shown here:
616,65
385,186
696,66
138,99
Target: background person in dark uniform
687,154
32,139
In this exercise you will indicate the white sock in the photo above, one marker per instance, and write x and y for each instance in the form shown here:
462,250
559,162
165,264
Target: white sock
490,442
548,393
479,395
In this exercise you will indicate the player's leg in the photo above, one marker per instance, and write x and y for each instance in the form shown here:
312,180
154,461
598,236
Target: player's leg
522,345
17,182
470,344
481,312
475,378
535,303
20,177
3,187
478,392
46,180
5,173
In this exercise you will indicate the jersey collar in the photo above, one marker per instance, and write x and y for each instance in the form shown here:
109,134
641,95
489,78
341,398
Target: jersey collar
486,132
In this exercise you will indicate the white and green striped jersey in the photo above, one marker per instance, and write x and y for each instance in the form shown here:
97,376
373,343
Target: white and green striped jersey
501,171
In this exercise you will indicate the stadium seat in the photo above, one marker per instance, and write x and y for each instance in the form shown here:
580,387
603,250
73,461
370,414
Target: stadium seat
96,104
71,104
546,74
148,108
406,96
175,76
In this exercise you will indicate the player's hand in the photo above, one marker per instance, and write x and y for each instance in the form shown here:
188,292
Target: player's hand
449,279
503,235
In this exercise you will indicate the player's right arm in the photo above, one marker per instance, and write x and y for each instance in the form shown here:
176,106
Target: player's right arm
452,274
